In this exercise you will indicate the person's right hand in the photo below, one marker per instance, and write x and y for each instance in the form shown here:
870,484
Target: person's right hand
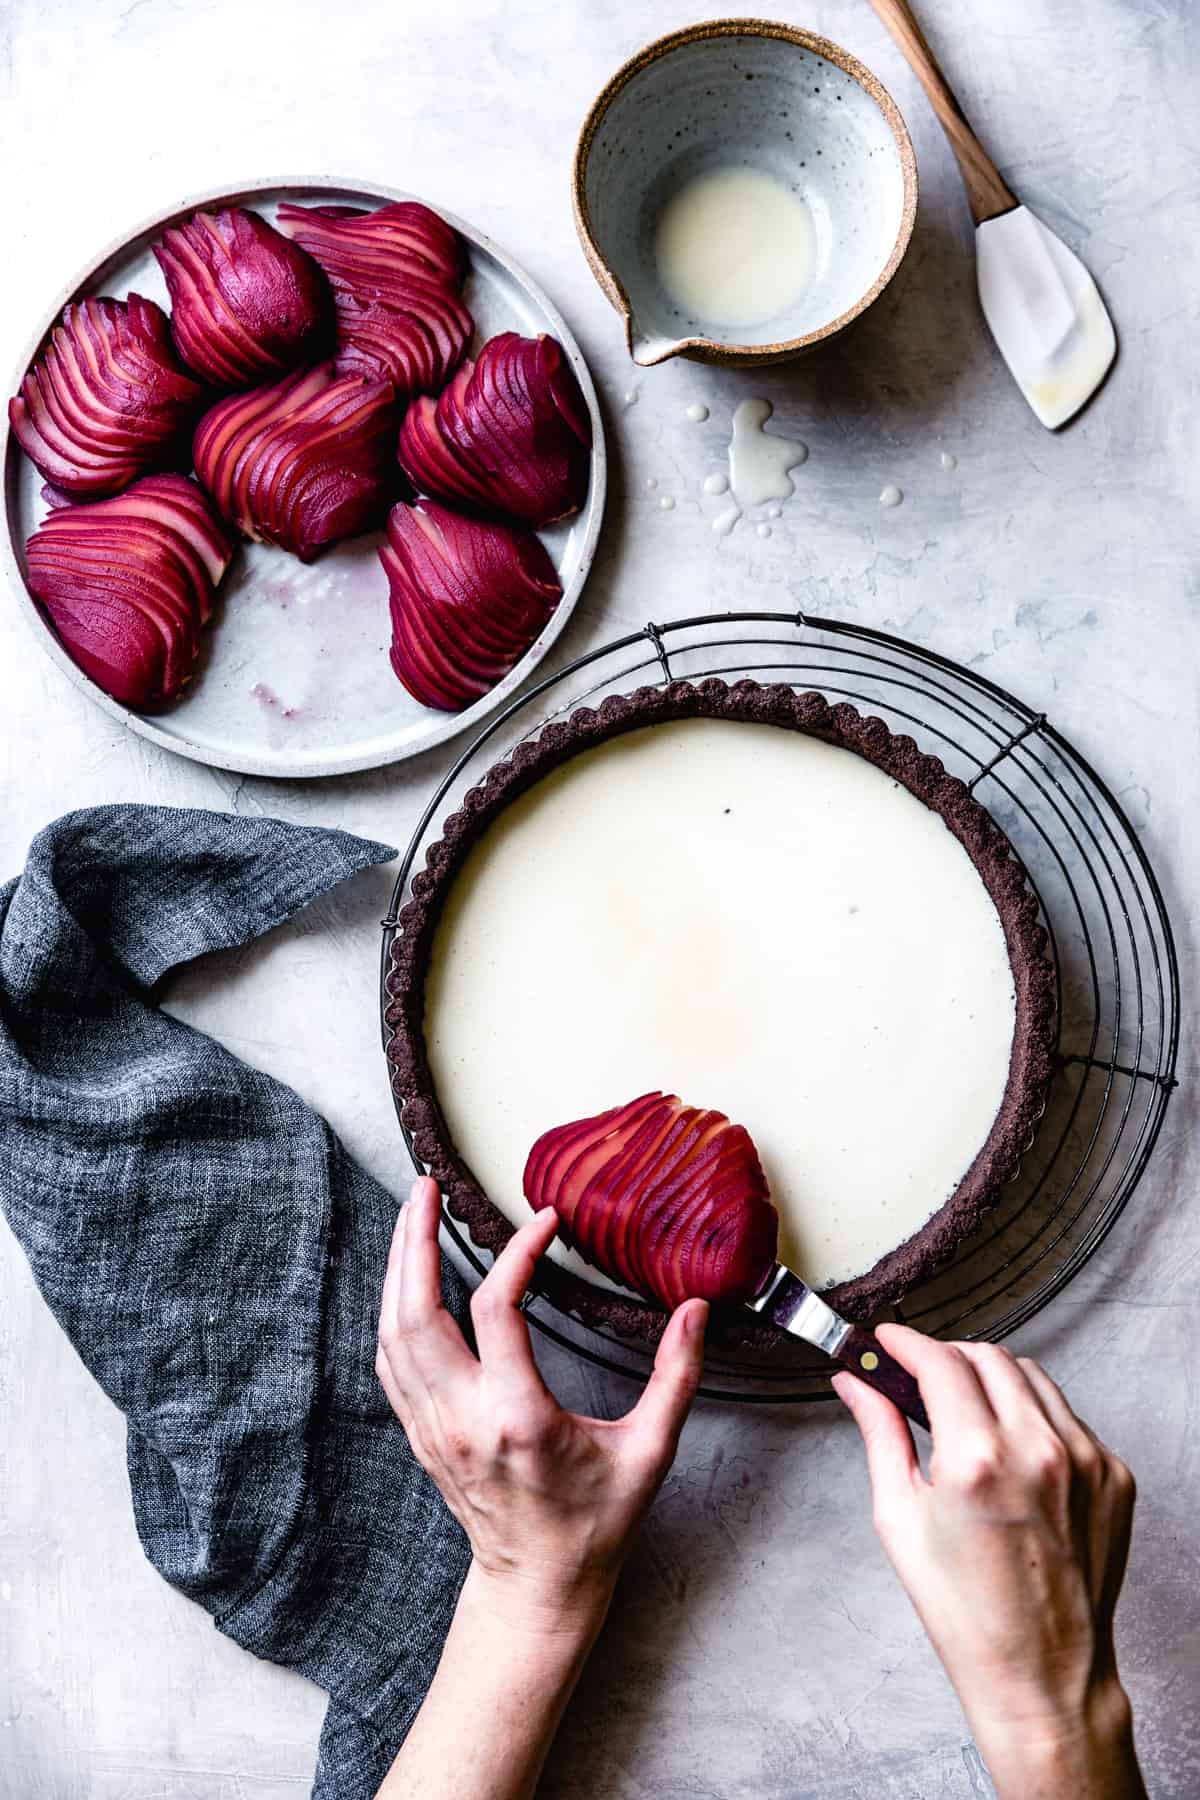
1013,1553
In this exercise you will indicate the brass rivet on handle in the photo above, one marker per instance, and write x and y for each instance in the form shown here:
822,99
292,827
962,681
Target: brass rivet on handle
869,1361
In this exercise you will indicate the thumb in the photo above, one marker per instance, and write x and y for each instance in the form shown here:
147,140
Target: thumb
657,1419
891,1458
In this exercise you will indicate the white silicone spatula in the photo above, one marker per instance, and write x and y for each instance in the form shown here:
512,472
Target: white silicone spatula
1041,304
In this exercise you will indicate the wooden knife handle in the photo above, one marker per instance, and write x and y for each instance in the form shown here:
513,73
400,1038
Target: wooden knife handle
866,1357
987,192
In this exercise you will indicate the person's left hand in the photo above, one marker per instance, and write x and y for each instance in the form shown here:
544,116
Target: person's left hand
549,1500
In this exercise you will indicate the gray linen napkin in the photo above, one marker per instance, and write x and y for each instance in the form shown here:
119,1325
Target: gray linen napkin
216,1259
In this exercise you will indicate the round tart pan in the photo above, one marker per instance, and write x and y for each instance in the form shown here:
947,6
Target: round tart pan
843,726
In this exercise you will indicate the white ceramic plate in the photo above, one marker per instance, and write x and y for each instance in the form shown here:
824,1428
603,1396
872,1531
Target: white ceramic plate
294,679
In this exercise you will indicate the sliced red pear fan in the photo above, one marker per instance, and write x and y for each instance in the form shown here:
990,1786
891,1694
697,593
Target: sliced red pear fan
375,255
397,276
669,1200
108,400
247,303
304,463
129,582
467,598
416,347
510,436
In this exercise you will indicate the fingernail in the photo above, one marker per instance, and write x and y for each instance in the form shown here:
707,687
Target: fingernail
421,1187
696,1319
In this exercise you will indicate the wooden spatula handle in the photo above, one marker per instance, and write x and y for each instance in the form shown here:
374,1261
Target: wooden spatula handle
986,190
865,1356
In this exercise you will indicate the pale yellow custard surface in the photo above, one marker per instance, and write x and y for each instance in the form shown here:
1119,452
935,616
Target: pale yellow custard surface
758,922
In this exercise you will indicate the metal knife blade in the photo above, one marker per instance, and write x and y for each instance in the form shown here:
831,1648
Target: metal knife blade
791,1305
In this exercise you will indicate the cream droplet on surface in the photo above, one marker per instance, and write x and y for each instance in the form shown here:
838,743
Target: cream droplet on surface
696,413
764,531
948,460
774,512
716,484
758,463
725,521
631,396
652,482
890,495
667,503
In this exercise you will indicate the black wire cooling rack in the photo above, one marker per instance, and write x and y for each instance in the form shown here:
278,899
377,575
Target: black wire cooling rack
1115,964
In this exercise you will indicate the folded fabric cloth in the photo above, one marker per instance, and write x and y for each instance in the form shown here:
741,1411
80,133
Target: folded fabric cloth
217,1259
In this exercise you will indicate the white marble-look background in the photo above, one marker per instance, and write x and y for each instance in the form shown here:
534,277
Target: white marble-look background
761,1649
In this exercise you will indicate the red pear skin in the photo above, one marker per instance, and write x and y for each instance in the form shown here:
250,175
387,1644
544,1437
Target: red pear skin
108,399
669,1200
247,304
303,463
397,276
509,438
129,583
468,597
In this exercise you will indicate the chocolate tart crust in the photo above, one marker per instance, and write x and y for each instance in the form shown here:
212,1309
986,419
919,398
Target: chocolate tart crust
1032,1057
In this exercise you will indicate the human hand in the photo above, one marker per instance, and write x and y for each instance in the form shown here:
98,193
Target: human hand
1013,1553
549,1500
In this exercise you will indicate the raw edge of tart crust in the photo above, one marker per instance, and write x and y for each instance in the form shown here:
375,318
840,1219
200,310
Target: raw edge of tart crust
1031,1060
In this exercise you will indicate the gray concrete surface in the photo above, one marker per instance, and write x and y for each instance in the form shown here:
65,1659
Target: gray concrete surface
760,1649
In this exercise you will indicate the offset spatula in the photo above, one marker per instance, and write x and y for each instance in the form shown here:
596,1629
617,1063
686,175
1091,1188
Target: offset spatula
788,1303
1042,306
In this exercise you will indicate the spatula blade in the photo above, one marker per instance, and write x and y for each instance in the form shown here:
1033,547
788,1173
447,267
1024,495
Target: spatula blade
1045,313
